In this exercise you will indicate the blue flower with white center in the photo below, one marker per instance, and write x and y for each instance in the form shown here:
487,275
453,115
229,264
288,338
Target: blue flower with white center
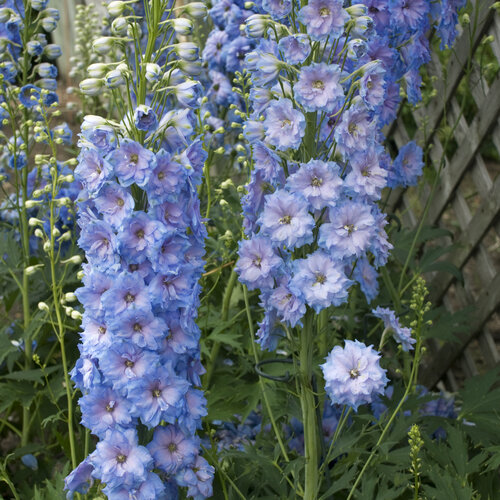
104,409
318,182
320,281
257,263
286,220
319,87
284,126
353,375
119,459
132,163
172,450
114,203
323,18
350,231
92,170
99,242
128,292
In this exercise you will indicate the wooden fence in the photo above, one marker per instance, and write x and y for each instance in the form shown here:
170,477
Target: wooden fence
466,200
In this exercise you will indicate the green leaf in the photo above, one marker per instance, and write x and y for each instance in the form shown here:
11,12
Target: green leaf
16,392
35,375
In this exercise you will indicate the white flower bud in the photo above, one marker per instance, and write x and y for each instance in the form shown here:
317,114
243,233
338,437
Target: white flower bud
116,8
91,86
32,269
39,233
182,26
198,10
69,297
43,306
76,259
102,45
33,221
97,70
153,72
32,203
76,315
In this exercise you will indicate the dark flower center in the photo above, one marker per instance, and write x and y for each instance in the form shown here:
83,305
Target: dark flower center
349,228
318,84
286,219
285,123
216,87
320,278
354,373
137,327
324,12
156,393
121,458
316,181
257,261
172,447
120,202
101,330
134,158
133,267
110,406
352,128
129,298
129,364
161,175
140,233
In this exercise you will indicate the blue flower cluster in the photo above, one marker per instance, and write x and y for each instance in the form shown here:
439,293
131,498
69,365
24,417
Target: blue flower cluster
325,80
143,238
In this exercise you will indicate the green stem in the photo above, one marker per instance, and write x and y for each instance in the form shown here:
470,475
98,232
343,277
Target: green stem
308,405
393,416
224,316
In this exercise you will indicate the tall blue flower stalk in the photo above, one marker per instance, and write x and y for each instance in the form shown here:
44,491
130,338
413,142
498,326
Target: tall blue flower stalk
326,77
143,237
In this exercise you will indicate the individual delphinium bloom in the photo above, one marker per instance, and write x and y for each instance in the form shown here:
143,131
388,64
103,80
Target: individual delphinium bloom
92,170
257,263
100,244
119,459
103,409
140,237
295,48
366,176
157,396
140,327
319,87
172,450
125,361
380,246
95,284
270,329
320,281
407,166
264,63
412,13
267,162
284,125
353,375
402,334
288,301
356,130
95,334
132,163
114,203
318,181
448,21
286,220
235,53
151,488
372,86
350,230
324,18
197,478
213,53
366,275
80,479
127,292
171,252
278,9
260,97
173,287
221,91
145,118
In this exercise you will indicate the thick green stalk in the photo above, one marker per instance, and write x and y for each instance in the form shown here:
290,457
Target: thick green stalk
309,414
